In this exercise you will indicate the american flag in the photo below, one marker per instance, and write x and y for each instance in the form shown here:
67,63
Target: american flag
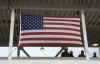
49,31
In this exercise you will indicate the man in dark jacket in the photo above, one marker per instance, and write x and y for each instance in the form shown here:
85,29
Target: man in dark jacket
82,54
65,53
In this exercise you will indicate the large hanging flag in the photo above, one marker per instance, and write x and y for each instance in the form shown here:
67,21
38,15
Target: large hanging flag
50,31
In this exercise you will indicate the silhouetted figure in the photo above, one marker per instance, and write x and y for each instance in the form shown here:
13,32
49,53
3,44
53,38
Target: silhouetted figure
94,54
65,53
71,54
82,54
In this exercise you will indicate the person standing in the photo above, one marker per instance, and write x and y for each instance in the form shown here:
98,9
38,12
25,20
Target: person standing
82,54
65,53
94,54
71,54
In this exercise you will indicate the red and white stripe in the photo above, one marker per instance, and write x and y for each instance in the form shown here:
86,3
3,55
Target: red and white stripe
59,30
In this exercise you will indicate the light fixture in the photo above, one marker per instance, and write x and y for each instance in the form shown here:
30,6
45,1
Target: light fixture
95,44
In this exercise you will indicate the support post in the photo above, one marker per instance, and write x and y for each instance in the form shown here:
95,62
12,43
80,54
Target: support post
18,52
10,50
99,51
62,48
85,34
59,52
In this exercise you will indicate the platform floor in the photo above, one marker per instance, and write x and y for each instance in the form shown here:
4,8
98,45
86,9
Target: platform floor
49,60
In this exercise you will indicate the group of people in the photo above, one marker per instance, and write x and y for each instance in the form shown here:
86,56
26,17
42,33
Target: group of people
66,53
70,54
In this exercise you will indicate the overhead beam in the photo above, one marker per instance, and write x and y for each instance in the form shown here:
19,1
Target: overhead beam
52,4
